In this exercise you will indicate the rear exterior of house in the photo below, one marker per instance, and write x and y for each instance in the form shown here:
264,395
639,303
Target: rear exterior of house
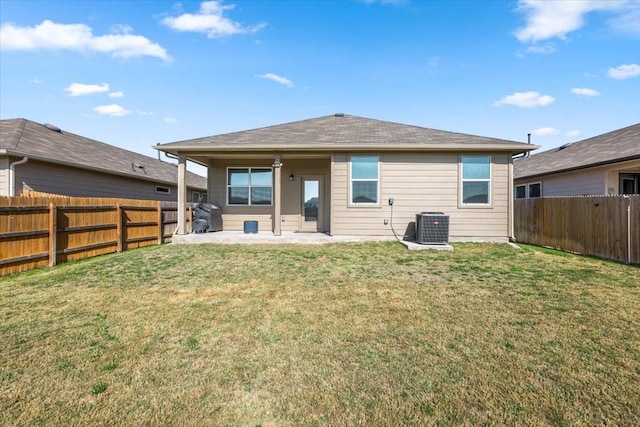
339,174
46,159
607,164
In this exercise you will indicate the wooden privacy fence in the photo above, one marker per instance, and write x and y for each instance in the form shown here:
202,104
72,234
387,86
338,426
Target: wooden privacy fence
46,230
602,226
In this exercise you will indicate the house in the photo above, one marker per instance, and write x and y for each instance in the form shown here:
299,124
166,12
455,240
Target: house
603,165
348,175
47,159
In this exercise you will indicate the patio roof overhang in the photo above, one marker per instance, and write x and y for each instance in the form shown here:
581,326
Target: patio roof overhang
202,154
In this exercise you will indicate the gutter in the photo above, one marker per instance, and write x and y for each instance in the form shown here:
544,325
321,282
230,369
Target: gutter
98,169
12,175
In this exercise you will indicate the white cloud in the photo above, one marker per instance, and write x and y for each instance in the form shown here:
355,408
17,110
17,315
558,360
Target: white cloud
550,19
144,113
529,99
278,79
573,133
170,120
118,94
113,110
77,37
541,50
36,81
78,89
624,71
545,131
210,20
584,91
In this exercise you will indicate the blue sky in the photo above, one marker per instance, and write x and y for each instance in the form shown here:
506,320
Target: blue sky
137,73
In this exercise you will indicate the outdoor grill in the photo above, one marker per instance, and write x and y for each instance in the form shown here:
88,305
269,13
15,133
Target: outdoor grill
207,218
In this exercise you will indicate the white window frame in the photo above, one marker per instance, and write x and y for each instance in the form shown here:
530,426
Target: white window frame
249,186
487,180
529,189
351,181
515,192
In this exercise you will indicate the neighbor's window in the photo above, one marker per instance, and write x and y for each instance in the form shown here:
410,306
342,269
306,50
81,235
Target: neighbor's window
249,186
476,180
521,191
162,190
535,190
364,179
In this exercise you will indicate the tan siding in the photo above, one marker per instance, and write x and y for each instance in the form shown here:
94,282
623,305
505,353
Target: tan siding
418,183
4,176
56,179
234,216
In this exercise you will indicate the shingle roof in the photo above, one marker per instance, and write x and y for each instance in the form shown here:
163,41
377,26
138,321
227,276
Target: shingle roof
21,137
342,132
619,145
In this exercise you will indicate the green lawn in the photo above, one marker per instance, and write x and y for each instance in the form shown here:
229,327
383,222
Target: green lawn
341,334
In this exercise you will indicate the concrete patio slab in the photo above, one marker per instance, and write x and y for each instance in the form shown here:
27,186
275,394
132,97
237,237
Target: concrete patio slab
239,237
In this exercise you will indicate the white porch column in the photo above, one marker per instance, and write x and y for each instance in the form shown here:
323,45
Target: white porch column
182,195
277,205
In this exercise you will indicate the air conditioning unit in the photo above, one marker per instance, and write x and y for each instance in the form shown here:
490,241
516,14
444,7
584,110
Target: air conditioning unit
432,228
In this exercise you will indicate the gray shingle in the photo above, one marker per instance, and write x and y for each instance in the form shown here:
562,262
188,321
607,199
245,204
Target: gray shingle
612,147
24,137
340,132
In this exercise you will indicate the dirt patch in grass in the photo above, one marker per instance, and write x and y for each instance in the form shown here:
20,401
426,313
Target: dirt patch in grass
343,334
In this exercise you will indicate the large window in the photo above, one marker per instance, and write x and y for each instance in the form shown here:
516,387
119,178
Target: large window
364,180
476,180
249,186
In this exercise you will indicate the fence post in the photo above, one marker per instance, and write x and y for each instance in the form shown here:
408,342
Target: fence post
190,220
119,232
53,233
160,225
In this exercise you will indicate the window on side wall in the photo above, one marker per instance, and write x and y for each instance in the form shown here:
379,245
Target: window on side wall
476,180
249,186
364,179
521,191
535,190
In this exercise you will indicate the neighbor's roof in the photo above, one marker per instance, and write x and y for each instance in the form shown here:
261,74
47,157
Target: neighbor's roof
613,147
341,132
21,137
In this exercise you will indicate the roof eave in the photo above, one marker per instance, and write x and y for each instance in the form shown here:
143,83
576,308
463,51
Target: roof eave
93,169
200,150
575,168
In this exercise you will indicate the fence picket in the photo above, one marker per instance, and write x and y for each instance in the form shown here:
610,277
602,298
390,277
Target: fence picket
603,226
39,230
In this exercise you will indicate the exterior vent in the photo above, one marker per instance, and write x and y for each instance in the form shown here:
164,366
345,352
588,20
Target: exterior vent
339,114
432,228
53,127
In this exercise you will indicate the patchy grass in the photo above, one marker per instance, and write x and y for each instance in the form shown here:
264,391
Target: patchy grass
344,334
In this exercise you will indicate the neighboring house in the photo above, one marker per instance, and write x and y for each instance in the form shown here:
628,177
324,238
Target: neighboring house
603,165
337,174
46,159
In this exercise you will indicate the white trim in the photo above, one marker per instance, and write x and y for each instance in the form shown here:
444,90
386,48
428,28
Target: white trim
529,189
351,203
461,182
249,186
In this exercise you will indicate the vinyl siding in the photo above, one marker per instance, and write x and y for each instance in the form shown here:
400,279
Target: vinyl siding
291,193
4,176
57,179
592,181
421,182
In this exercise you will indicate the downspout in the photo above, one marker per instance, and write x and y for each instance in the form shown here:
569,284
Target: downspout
12,175
510,204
